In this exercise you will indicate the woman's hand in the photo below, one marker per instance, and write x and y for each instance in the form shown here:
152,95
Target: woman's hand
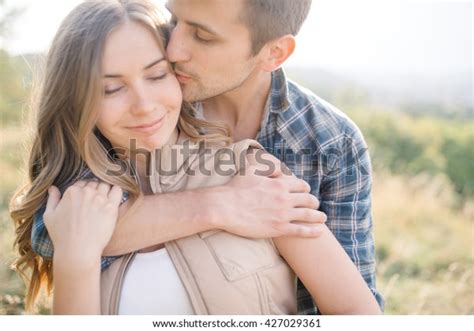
82,222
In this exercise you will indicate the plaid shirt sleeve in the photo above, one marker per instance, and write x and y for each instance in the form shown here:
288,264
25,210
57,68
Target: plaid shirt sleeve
328,151
346,200
43,246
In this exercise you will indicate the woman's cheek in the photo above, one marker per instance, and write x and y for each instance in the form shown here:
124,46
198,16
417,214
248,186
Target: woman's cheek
109,118
114,109
175,92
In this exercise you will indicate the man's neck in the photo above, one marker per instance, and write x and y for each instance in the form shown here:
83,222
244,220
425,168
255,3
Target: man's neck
242,108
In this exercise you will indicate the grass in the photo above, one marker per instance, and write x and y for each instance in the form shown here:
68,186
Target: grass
424,246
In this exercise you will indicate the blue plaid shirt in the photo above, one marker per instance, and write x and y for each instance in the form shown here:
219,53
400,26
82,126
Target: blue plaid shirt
322,146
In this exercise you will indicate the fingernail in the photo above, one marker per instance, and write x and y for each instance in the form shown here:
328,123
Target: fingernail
318,230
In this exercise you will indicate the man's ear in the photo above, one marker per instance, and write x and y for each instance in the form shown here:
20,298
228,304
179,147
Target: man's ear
276,52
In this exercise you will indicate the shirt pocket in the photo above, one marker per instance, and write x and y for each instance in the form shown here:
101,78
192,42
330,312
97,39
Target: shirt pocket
239,257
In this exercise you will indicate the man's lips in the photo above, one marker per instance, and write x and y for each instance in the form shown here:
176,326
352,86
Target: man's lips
181,77
149,127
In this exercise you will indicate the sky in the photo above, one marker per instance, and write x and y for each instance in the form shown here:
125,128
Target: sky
384,36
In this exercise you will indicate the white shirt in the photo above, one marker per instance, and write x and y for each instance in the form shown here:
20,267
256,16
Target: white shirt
152,287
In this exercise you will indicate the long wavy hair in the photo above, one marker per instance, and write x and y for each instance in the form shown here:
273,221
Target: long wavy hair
66,140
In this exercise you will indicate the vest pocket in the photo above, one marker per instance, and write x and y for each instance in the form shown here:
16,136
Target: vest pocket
239,257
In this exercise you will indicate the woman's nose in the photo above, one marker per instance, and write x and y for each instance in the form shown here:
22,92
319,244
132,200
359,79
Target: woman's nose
143,101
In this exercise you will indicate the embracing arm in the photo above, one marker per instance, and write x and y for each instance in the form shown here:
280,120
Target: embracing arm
157,219
163,217
244,206
160,218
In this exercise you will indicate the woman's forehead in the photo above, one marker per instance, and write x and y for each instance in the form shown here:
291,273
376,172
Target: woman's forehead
131,45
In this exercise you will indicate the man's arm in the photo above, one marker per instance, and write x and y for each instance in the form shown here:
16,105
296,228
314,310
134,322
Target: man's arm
346,200
160,218
249,205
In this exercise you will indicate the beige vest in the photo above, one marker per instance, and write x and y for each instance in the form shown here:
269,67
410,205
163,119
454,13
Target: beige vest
223,273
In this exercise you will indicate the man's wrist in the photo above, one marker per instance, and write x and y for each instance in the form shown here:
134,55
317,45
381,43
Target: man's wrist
211,208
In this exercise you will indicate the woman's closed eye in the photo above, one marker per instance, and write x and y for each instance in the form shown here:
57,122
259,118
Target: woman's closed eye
116,88
112,90
158,77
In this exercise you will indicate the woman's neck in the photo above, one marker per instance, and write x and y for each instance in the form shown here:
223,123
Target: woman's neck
143,164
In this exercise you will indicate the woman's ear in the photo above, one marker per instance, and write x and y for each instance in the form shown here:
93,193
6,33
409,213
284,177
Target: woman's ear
275,52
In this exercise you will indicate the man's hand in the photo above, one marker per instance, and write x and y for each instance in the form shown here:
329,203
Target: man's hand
250,205
271,205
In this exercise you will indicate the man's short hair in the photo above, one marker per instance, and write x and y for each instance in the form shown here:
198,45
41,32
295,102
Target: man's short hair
271,19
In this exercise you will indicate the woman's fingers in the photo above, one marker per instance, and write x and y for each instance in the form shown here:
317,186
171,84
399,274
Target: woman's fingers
115,195
95,189
103,188
92,184
54,196
80,183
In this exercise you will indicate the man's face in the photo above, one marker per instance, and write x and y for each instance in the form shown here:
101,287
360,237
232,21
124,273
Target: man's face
210,47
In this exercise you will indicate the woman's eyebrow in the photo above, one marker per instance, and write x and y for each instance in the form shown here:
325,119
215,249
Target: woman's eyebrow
145,68
153,63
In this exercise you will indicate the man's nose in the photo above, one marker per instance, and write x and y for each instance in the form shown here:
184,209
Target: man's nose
177,49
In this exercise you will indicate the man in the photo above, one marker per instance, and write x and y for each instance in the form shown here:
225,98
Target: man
227,56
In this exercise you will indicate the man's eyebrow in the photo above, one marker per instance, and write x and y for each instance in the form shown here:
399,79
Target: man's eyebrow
145,68
195,24
202,27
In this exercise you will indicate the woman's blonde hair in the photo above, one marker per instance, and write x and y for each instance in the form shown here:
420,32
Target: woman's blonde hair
66,141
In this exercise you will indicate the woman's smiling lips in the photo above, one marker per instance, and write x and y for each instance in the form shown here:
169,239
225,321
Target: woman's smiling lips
148,128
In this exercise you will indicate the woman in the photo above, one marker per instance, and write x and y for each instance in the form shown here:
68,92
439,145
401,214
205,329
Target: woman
108,84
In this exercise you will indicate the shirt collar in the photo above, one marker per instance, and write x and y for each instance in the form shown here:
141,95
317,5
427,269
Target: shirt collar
288,124
279,92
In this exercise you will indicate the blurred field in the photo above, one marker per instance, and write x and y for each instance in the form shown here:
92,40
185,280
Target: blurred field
424,248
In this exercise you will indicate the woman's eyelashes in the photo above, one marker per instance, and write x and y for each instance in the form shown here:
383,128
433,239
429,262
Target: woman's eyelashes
162,76
113,90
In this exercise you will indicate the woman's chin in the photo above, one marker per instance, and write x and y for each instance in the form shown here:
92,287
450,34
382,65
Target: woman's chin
152,144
